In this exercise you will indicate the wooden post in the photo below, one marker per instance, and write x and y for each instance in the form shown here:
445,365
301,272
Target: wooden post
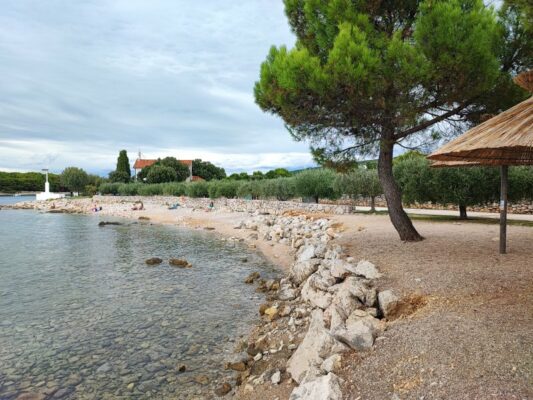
503,209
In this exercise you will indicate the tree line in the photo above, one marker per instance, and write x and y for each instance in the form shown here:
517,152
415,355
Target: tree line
419,183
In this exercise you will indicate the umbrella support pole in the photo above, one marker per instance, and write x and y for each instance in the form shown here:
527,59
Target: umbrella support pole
503,208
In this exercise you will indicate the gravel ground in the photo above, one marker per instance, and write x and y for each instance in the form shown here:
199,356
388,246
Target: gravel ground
473,339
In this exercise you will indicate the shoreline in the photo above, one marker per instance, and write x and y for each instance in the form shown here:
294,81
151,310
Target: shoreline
297,243
447,306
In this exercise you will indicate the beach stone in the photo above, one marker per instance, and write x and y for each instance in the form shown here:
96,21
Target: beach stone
272,313
367,269
287,292
63,392
201,379
31,396
154,261
276,378
236,366
388,302
317,345
103,368
252,277
182,368
223,389
340,268
327,387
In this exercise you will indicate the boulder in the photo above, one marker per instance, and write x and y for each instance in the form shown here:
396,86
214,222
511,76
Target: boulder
153,261
317,298
358,335
322,279
327,387
300,271
287,292
317,345
388,302
306,253
340,268
367,269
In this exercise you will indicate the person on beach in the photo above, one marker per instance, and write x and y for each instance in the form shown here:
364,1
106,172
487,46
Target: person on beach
211,206
138,207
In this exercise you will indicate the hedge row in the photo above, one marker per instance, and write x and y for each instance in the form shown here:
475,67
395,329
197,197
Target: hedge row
312,184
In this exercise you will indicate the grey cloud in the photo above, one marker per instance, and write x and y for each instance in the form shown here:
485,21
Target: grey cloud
80,76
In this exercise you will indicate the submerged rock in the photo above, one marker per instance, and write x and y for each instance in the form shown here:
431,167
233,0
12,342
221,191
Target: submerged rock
104,223
154,261
223,389
178,262
252,277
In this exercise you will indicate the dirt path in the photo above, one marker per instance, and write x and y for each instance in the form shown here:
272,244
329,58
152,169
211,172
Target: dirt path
474,338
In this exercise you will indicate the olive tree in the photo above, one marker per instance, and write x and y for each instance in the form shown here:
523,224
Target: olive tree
316,184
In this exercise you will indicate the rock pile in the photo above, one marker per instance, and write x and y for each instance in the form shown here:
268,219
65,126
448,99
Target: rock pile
331,295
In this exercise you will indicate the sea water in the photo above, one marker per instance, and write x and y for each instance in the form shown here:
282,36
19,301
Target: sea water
83,317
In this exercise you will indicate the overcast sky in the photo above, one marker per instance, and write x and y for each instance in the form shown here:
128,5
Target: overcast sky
80,80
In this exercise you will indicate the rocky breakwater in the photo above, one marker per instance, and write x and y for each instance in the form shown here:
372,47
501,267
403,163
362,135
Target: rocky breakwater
327,305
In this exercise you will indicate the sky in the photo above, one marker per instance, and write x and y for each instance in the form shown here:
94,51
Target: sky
81,80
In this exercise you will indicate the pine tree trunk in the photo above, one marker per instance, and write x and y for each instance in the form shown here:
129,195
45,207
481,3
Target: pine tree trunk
462,212
398,216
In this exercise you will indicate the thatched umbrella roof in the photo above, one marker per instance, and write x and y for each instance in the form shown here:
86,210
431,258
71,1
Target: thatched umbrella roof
448,164
506,139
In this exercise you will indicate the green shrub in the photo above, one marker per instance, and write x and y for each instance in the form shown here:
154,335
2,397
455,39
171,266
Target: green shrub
129,189
316,184
224,188
174,189
150,190
197,189
109,188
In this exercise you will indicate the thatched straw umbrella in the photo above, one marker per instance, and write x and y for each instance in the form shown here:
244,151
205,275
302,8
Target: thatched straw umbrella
506,139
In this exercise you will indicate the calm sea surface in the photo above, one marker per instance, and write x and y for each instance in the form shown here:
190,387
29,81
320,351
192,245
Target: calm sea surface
83,317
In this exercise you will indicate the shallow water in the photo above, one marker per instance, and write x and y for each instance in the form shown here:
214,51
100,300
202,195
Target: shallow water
81,312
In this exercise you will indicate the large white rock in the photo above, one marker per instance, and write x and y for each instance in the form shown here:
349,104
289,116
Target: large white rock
388,302
327,387
316,298
306,253
367,269
340,268
317,345
300,271
358,335
322,279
